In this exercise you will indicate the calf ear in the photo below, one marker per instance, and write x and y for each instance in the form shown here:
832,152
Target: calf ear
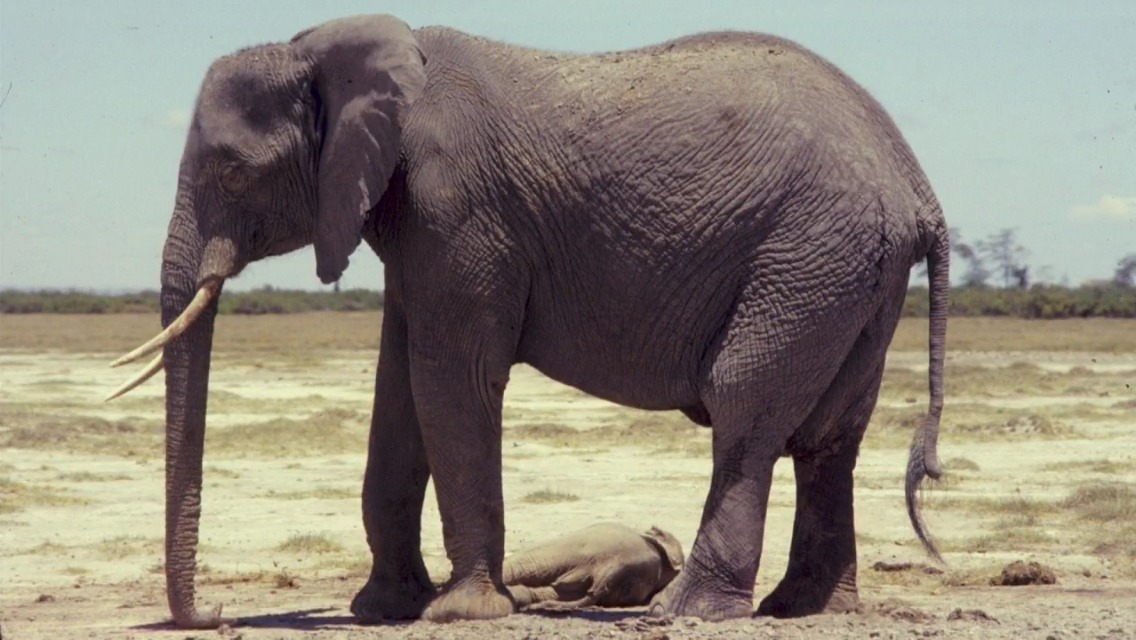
367,71
667,545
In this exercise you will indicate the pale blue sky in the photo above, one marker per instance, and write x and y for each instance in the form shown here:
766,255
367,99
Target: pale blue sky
1023,114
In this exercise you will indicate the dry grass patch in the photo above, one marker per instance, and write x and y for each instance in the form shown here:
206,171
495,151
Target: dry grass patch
16,496
1102,466
972,577
119,333
328,432
309,543
1112,502
120,547
1011,538
966,421
1012,506
32,427
320,493
88,476
664,432
549,496
961,464
1112,335
48,548
279,578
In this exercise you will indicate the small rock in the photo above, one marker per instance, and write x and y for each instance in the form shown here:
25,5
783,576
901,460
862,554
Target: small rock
45,597
657,634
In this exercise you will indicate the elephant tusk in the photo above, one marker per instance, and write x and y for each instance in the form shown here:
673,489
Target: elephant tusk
154,367
200,301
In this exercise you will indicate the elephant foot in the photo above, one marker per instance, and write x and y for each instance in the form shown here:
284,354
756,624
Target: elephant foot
470,601
689,598
381,600
801,598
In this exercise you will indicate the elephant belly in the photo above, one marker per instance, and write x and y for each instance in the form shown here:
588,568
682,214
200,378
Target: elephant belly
649,361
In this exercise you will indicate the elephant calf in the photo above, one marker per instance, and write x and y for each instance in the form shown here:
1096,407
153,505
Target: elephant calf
605,565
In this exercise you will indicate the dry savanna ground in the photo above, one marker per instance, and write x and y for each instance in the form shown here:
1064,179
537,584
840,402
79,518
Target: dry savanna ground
1038,441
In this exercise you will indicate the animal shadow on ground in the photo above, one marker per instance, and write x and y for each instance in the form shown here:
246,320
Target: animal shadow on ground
311,619
594,615
305,619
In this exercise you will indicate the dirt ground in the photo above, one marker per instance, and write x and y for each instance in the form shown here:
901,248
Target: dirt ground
1039,447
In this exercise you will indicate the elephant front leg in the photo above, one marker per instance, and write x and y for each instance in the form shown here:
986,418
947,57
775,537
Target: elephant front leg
459,400
822,559
394,486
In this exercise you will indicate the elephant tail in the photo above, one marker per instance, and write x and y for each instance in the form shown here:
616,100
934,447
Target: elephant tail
923,458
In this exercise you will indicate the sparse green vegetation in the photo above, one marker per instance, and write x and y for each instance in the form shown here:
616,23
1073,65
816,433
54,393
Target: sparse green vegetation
309,543
547,496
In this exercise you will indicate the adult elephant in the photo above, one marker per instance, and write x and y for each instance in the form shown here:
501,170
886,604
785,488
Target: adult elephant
723,224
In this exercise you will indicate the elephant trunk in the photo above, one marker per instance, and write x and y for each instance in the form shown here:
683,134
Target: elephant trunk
187,359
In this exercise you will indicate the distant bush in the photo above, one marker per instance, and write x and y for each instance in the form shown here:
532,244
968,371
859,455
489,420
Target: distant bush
260,301
1042,302
1106,301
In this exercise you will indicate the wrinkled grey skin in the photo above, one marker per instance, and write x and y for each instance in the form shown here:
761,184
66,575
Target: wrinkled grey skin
723,224
604,565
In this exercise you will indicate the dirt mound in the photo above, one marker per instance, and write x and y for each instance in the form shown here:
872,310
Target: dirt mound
971,615
1019,573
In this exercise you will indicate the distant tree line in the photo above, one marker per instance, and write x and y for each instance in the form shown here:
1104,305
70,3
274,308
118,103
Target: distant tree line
257,302
995,281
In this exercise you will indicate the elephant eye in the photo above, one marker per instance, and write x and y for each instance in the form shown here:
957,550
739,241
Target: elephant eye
234,179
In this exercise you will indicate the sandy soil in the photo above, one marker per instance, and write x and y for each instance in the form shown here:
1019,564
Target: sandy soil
282,539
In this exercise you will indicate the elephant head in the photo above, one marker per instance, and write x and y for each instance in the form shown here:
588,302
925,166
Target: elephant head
670,549
291,144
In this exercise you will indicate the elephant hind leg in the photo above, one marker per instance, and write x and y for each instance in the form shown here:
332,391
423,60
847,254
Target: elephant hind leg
716,583
821,576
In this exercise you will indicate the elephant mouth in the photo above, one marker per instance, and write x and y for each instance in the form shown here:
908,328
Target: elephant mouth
208,290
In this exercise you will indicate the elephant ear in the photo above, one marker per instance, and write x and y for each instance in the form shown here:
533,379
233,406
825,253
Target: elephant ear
667,545
367,71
